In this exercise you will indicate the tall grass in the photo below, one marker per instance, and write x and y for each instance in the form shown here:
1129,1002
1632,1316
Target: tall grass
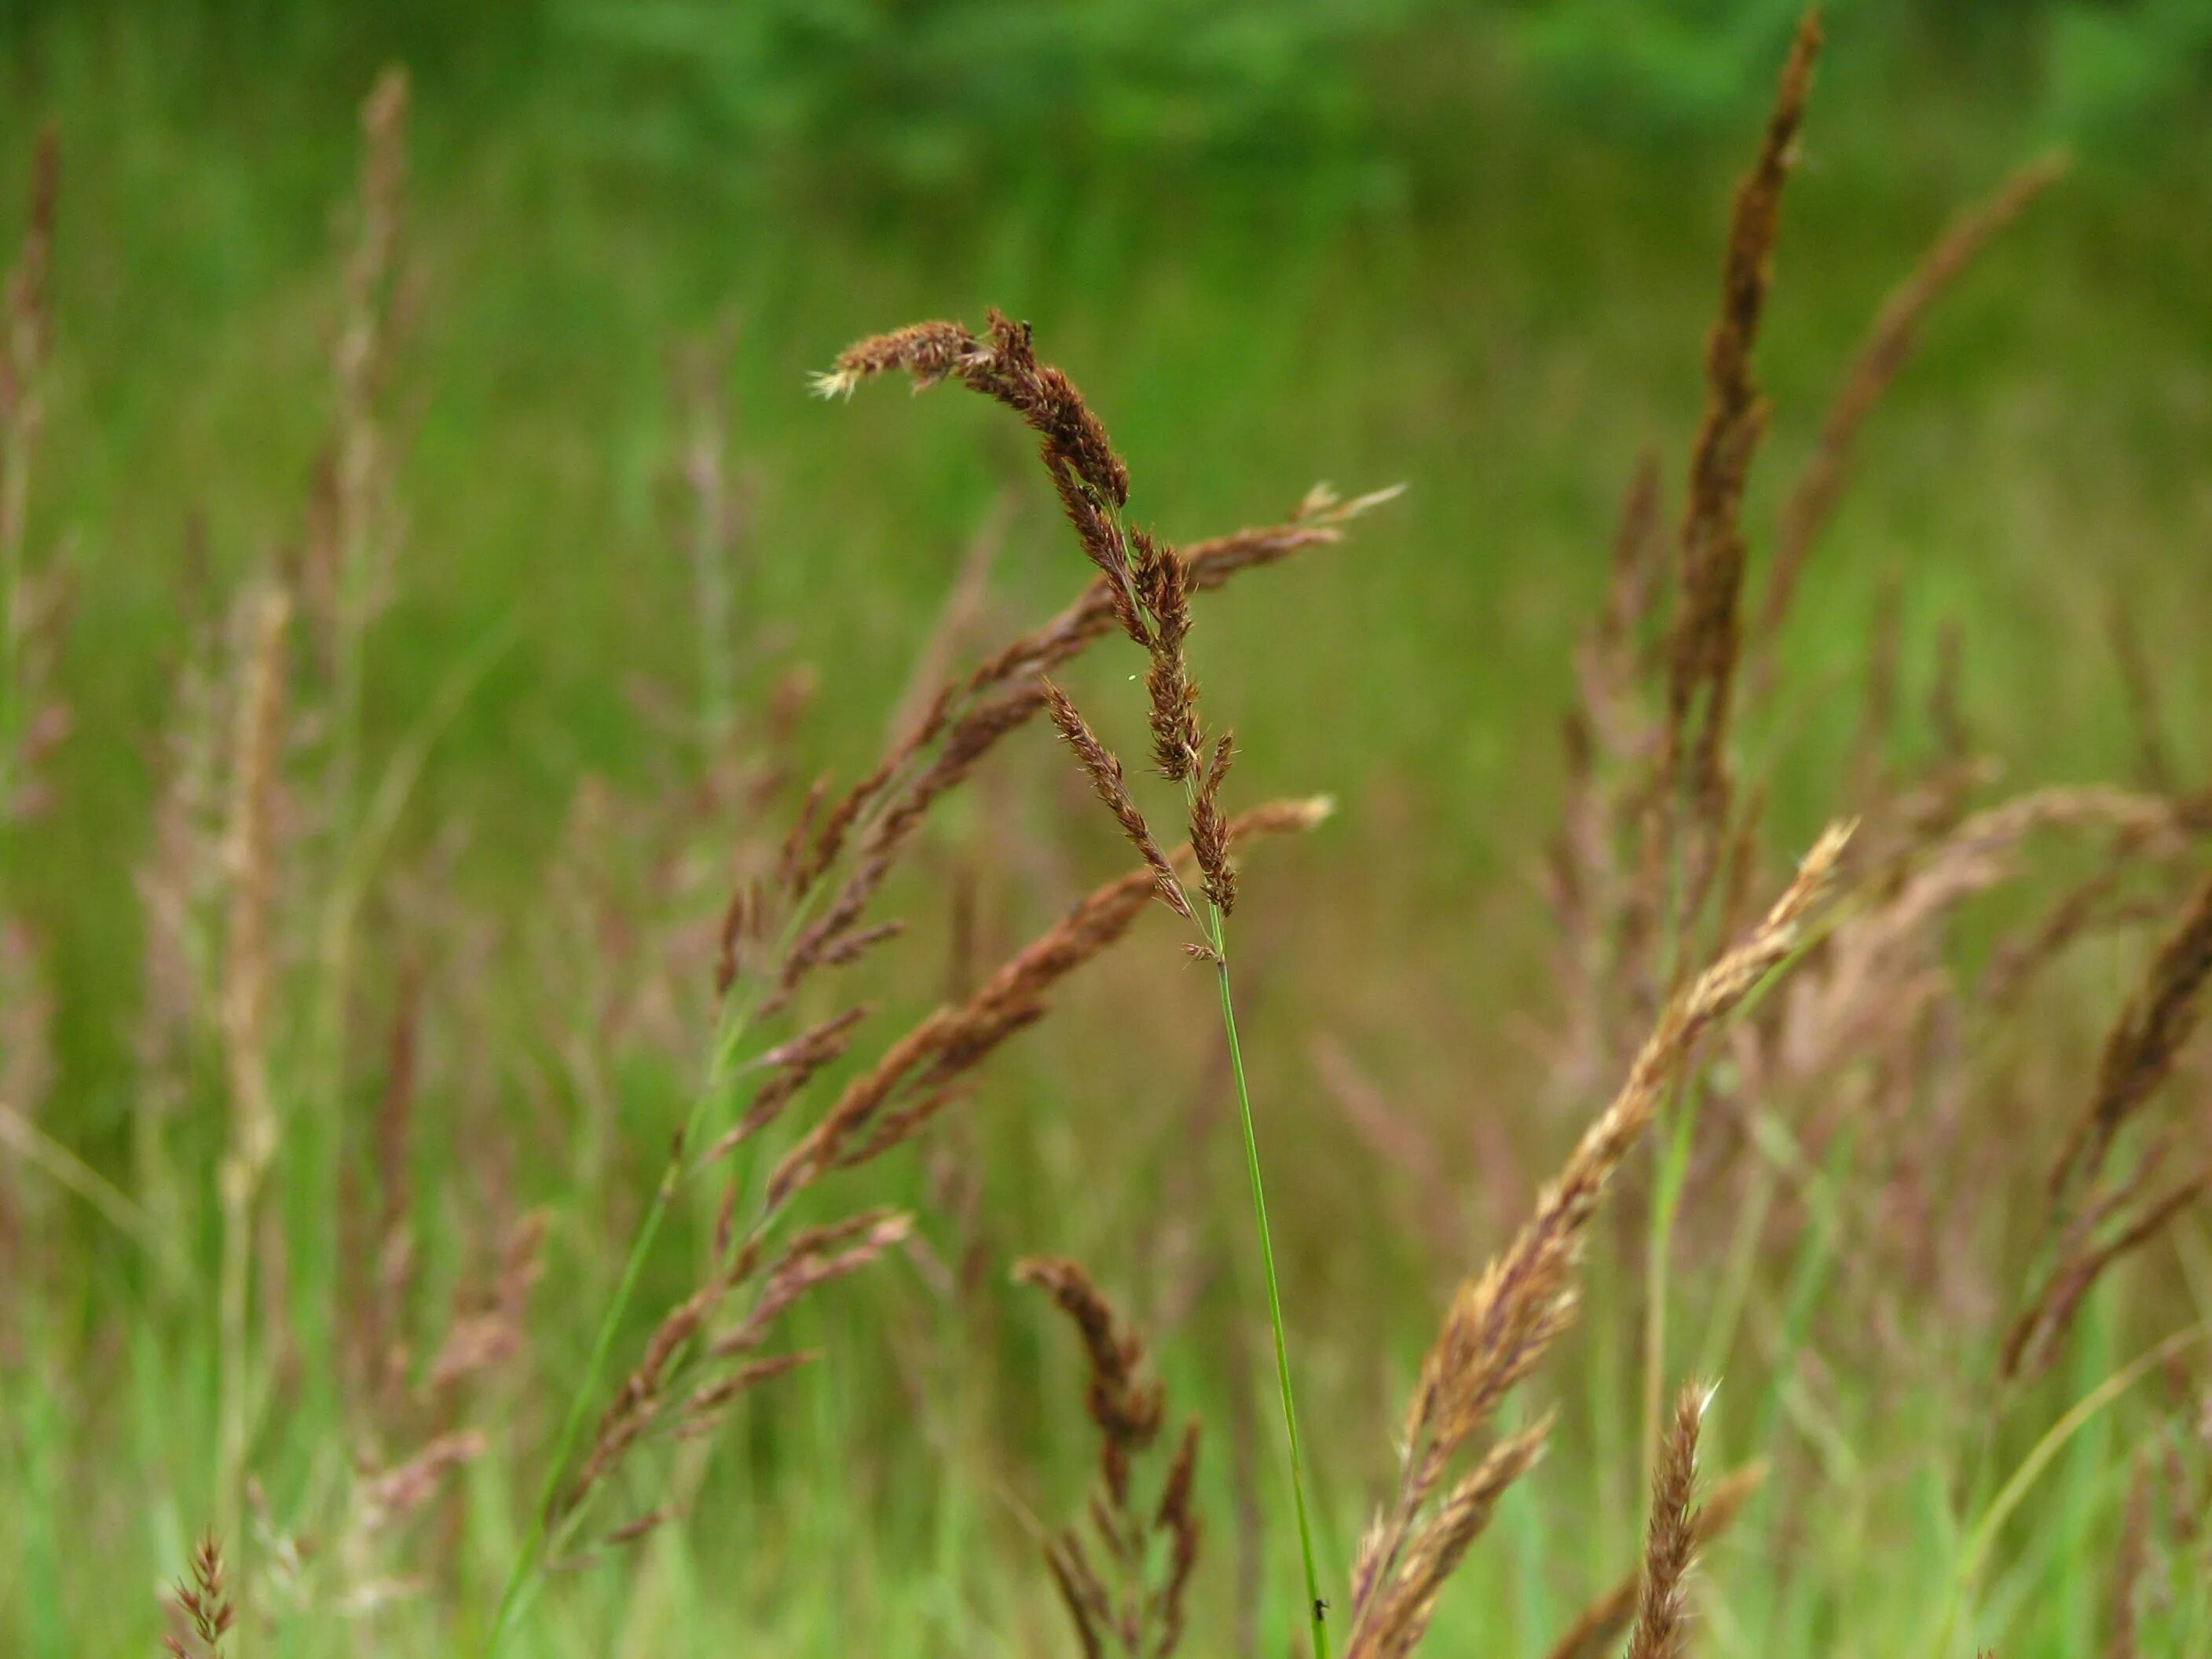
750,1132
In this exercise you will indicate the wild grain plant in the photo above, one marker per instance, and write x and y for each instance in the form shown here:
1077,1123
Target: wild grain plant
1640,862
804,913
1660,841
1148,585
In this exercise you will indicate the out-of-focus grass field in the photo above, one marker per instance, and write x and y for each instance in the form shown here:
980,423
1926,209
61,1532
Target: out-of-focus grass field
1484,267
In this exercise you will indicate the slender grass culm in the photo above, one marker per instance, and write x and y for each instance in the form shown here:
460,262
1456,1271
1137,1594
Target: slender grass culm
1149,585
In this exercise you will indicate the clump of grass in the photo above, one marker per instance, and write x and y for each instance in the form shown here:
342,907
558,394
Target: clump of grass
1501,1321
1147,586
805,912
1651,877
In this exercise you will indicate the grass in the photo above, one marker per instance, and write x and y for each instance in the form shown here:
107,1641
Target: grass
1509,344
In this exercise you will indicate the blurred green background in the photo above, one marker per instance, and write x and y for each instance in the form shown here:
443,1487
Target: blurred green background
1471,248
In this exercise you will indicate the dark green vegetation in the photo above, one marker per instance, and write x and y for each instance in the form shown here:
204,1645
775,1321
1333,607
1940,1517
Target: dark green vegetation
1474,255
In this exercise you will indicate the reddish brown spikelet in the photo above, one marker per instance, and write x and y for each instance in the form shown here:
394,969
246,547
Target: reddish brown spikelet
251,853
2097,1217
29,328
830,939
2033,1339
1106,777
1662,1613
2130,1565
815,1256
1124,1402
1208,565
1165,586
927,351
1092,482
1178,1520
1209,829
203,1604
798,840
794,1064
704,1407
856,802
1394,1600
661,1393
489,1327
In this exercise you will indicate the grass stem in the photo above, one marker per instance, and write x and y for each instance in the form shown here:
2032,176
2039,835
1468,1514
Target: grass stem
1315,1607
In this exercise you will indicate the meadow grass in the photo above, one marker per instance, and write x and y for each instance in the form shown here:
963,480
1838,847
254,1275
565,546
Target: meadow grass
1510,355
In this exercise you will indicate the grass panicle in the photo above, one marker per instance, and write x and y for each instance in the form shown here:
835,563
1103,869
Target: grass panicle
1670,1544
1134,1604
205,1613
1597,1629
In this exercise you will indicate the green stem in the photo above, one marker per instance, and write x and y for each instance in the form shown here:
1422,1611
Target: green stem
1315,1605
514,1596
525,1563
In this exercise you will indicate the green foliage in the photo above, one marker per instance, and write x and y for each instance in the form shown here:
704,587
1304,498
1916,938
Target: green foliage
966,93
2118,72
2105,72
